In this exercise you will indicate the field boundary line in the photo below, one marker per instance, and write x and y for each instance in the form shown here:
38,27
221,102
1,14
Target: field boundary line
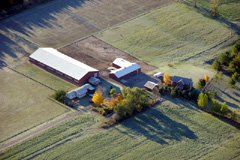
31,78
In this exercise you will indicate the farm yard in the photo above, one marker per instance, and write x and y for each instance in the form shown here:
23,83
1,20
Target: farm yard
52,24
172,130
98,54
174,39
24,104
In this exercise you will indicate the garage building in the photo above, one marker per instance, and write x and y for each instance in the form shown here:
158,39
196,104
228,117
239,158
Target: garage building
124,69
63,66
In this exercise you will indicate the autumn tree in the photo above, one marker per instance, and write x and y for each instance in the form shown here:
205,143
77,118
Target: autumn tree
214,7
166,79
113,101
202,100
206,78
98,97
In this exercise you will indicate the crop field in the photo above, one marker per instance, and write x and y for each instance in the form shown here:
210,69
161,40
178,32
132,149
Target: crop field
171,34
229,9
59,22
24,104
172,130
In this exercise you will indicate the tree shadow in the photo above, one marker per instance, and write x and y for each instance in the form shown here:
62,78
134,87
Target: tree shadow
157,127
182,103
14,46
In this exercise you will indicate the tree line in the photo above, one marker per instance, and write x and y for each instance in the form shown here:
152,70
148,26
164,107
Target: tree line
229,62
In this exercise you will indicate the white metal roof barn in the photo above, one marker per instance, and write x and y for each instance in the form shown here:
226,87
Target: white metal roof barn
126,68
49,58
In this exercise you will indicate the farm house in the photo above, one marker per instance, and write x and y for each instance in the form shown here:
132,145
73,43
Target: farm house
124,69
63,66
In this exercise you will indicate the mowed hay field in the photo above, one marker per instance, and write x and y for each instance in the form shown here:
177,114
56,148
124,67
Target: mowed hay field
172,130
171,34
24,104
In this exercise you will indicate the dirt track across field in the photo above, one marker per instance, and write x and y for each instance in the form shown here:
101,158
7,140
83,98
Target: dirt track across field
99,54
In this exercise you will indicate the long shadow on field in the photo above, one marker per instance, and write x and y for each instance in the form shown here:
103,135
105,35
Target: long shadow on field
158,127
13,45
182,103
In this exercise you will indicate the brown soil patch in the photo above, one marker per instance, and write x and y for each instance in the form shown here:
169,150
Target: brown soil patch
99,54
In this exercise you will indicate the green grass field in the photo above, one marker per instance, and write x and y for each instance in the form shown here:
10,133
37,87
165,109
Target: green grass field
172,130
171,34
229,9
24,104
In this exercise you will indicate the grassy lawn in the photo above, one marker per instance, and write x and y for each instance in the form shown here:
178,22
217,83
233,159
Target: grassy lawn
172,130
171,34
229,9
24,104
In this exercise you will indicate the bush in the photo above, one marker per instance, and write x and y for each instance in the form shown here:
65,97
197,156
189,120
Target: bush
237,45
201,83
112,91
224,58
235,77
216,65
232,82
202,100
219,107
231,68
60,95
193,94
173,92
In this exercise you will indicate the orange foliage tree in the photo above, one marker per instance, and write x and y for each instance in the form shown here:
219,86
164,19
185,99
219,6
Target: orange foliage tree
166,79
206,78
112,102
98,97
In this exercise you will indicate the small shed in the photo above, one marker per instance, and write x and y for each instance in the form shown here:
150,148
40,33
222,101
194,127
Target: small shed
158,75
71,95
80,92
94,81
151,86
